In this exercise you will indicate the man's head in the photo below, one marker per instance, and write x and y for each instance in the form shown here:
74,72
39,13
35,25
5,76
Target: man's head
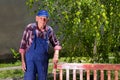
42,18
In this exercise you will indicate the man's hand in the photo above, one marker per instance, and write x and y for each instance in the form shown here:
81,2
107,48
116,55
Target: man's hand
23,62
23,66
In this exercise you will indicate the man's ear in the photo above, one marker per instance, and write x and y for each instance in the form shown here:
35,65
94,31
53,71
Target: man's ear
36,18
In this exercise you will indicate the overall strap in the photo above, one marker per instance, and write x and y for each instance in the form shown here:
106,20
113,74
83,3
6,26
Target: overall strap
47,34
35,36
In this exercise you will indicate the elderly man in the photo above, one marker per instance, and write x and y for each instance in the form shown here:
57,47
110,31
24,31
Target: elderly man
34,47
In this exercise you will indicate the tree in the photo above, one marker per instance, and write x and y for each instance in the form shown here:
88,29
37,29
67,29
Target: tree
87,28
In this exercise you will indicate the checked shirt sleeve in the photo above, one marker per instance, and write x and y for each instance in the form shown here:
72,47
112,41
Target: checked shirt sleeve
24,41
54,41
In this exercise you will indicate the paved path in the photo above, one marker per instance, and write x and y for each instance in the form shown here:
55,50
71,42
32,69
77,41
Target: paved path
12,79
17,67
10,68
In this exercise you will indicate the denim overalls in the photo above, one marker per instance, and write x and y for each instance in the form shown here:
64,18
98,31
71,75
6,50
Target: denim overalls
37,59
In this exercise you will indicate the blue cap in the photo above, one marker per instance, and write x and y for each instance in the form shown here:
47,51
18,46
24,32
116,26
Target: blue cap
43,13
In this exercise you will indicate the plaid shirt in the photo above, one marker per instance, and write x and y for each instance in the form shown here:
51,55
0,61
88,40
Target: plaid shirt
28,36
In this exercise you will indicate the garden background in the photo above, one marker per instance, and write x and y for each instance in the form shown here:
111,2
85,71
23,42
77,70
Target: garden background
88,30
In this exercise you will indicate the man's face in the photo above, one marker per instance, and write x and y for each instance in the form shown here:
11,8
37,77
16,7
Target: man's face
42,21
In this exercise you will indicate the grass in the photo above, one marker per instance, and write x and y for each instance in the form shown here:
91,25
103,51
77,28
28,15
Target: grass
18,72
11,64
11,74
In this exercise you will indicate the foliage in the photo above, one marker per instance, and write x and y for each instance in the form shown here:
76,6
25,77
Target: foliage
16,54
87,28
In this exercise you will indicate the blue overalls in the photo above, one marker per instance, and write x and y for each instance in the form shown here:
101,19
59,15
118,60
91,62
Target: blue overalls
37,59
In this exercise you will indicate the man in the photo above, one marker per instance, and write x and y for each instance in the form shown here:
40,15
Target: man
34,47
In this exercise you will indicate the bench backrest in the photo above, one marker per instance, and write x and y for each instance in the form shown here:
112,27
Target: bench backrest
87,68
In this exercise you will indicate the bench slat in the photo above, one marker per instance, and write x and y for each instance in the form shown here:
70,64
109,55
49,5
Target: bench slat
89,66
95,75
67,74
109,76
116,75
74,74
61,73
102,74
81,74
88,74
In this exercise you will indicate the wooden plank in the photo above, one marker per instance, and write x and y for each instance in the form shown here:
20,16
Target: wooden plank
67,74
109,75
81,74
88,74
102,74
74,74
61,74
95,75
116,75
90,66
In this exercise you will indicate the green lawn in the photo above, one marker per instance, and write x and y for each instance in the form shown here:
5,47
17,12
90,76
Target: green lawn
18,72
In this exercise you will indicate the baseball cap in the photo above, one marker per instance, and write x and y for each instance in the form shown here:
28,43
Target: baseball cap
43,13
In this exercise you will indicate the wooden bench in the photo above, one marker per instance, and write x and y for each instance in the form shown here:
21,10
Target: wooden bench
86,69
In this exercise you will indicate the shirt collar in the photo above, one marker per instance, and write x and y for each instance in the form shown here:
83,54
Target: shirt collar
45,28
